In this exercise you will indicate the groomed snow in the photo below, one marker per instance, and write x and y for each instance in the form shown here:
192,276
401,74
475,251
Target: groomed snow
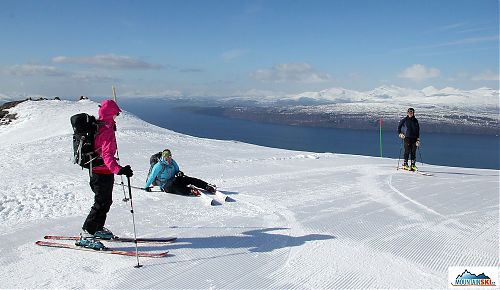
300,220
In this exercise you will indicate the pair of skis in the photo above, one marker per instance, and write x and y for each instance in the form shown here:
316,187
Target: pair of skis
220,197
205,195
414,171
50,242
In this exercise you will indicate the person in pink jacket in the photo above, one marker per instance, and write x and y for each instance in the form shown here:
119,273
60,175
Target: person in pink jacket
102,177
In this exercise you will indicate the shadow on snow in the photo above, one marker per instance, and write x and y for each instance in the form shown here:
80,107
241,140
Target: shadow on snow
258,240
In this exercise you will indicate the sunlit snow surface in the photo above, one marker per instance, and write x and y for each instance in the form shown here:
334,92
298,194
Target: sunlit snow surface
300,220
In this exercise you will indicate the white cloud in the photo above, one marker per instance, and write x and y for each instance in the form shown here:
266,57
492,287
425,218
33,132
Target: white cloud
34,70
233,54
487,75
153,93
93,77
469,40
25,70
291,72
256,93
191,70
112,61
418,72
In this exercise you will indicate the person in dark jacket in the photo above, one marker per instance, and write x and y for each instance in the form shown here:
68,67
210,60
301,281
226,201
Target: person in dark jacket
102,178
411,137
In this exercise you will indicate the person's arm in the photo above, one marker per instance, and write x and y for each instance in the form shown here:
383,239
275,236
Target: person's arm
400,125
176,167
417,127
154,173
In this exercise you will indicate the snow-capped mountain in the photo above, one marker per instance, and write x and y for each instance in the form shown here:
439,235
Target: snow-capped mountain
300,220
441,110
389,94
481,97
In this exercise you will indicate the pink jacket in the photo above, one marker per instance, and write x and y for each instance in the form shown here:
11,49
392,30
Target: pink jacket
105,140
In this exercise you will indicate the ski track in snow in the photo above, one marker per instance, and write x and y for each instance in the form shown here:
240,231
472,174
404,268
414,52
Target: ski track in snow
389,181
300,220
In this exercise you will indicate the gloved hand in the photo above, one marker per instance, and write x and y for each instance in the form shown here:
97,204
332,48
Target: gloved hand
148,189
126,170
418,142
180,173
401,135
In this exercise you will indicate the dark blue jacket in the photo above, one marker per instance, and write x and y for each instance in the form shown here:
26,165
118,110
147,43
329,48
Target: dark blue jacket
412,129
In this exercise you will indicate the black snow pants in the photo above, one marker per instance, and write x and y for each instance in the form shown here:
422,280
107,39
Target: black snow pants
102,186
180,185
410,149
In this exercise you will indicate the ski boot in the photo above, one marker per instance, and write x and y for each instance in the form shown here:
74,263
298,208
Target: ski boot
194,191
413,167
405,166
88,241
104,234
211,188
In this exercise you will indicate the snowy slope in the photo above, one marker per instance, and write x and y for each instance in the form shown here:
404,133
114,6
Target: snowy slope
300,220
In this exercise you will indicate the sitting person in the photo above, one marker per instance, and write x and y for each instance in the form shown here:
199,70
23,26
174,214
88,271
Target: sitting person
166,174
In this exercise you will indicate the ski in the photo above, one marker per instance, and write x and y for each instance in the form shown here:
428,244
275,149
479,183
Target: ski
221,196
199,193
416,172
117,239
104,251
423,173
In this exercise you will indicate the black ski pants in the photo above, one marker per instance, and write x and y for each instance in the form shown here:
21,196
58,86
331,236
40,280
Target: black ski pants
410,149
180,185
102,186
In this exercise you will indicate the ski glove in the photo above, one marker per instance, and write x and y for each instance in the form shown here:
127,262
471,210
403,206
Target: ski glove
401,135
418,142
148,189
126,170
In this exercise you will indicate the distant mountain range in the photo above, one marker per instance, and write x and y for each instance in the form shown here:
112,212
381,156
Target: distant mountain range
385,94
438,110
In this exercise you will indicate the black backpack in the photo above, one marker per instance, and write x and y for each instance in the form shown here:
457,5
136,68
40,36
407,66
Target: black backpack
84,131
152,161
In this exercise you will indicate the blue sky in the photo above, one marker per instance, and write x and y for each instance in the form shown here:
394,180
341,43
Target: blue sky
236,47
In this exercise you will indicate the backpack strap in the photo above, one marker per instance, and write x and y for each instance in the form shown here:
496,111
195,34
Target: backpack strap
78,156
97,155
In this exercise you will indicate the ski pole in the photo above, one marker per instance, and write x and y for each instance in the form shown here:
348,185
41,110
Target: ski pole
125,199
399,156
420,153
133,222
137,187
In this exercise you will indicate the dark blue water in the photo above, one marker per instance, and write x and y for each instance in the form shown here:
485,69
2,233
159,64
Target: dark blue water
459,150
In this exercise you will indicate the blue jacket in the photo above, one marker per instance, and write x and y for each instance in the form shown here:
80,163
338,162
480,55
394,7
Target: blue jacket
411,126
164,171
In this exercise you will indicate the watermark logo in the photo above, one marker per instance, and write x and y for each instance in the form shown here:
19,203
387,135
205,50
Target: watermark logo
473,277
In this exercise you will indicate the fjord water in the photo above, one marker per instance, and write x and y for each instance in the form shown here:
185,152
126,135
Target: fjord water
458,150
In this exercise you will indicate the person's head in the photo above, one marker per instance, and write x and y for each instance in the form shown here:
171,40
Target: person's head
108,110
410,112
166,154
